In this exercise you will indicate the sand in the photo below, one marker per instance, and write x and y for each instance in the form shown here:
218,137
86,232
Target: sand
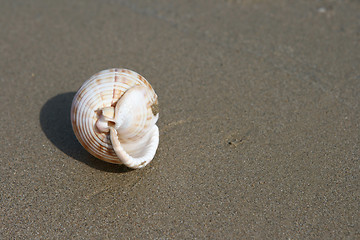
259,119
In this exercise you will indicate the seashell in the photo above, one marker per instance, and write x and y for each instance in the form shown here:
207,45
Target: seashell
114,117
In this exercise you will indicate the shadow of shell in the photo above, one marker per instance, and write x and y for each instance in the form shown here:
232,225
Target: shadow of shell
55,123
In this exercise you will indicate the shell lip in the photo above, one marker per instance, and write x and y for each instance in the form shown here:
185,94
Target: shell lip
147,154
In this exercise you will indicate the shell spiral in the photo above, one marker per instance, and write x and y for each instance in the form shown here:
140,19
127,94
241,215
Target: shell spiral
121,145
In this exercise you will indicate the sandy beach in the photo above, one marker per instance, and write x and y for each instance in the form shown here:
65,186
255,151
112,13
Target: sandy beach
259,119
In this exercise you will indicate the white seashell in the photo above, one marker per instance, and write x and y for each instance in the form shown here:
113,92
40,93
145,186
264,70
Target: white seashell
113,116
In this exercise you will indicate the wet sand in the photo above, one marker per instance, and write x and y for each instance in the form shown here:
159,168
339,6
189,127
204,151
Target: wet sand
259,120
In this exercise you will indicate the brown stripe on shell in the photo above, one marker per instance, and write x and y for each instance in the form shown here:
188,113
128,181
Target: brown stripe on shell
125,80
116,92
105,141
80,94
112,159
126,71
155,108
116,78
102,96
102,136
105,153
98,81
90,149
143,80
